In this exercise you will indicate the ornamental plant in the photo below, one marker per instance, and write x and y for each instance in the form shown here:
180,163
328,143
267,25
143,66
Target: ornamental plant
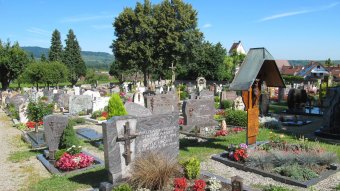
180,184
192,168
236,117
199,185
37,110
214,184
116,106
237,153
221,133
69,162
69,137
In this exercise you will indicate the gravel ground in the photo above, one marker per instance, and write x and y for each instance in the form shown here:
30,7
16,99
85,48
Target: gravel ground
254,179
15,176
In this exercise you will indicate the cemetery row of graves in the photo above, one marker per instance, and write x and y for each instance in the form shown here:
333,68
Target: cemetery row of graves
157,138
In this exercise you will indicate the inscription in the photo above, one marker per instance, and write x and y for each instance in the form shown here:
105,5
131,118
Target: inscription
157,139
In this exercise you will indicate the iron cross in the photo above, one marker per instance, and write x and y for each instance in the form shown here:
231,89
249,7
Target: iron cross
127,141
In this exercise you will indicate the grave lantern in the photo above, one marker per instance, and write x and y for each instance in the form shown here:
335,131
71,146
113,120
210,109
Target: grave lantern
259,67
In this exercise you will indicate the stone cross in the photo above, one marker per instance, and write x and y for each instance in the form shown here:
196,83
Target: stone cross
127,141
173,72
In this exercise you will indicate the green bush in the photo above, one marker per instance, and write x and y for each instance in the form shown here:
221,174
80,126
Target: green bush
79,120
217,98
184,95
337,187
96,114
116,106
69,137
122,187
226,104
296,172
13,111
59,153
37,110
237,118
192,168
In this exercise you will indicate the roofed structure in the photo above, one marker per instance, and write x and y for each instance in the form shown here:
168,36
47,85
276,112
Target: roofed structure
258,64
282,63
291,70
237,47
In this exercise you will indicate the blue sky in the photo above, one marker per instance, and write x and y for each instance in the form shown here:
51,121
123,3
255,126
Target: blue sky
289,29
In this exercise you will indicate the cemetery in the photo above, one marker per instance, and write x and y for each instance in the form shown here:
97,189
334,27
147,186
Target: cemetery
172,111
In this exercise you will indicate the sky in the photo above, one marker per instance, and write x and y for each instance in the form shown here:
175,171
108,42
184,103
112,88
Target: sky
288,29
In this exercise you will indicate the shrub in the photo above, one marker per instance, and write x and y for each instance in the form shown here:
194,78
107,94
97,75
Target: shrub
226,104
237,118
96,114
79,120
37,110
116,106
217,98
297,172
13,111
153,171
276,188
337,187
123,187
192,168
183,95
69,137
59,153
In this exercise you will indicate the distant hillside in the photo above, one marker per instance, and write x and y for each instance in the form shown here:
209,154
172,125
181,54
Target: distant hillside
98,60
306,62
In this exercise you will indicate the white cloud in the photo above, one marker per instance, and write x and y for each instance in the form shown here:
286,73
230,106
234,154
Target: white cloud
38,31
100,27
208,25
86,18
292,13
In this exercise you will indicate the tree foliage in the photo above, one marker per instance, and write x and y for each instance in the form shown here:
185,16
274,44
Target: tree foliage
56,48
329,62
116,106
13,61
72,58
37,110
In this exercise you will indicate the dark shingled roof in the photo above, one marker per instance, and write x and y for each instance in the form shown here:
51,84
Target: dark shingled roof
259,63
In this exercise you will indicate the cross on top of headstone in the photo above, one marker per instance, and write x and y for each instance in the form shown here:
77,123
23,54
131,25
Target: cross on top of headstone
127,141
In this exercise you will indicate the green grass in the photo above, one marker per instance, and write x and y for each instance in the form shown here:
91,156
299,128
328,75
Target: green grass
87,179
277,108
337,187
20,156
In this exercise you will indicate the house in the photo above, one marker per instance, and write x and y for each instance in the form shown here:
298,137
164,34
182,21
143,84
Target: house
313,71
291,70
282,63
334,71
237,47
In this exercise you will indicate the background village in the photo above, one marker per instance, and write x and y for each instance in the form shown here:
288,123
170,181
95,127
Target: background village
272,125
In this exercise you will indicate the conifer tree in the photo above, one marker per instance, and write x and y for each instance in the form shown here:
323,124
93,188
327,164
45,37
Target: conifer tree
43,57
56,49
72,58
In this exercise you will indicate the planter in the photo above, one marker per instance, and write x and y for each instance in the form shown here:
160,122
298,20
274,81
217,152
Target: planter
220,158
53,170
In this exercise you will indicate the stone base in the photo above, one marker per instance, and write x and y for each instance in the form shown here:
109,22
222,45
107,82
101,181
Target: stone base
53,170
223,159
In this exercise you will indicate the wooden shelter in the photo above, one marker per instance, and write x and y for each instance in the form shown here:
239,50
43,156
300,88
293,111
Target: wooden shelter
259,66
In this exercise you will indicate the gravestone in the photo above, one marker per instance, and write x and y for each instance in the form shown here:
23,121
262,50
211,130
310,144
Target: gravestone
17,100
54,126
238,104
297,99
201,83
23,113
138,98
128,137
162,103
90,134
228,95
76,90
78,103
62,100
93,94
198,113
264,104
206,94
99,103
137,110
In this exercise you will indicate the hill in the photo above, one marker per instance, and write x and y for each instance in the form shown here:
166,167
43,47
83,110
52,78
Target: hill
97,60
306,62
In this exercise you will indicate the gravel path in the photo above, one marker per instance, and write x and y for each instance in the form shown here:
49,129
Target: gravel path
15,176
253,179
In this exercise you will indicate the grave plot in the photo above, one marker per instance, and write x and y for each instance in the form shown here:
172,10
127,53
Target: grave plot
64,155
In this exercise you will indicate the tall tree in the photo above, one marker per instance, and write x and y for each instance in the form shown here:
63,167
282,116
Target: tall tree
35,73
12,62
329,62
56,48
72,58
43,57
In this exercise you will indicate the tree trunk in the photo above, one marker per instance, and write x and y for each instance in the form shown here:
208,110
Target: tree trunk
4,84
145,78
37,85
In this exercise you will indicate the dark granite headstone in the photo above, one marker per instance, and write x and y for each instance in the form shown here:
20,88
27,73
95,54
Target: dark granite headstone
137,110
89,134
128,137
54,126
264,104
78,103
296,100
162,103
199,113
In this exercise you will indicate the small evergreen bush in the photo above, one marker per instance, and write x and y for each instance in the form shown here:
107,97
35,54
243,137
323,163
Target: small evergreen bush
69,137
116,106
192,168
226,104
217,98
37,110
79,120
184,95
297,172
123,187
96,114
237,118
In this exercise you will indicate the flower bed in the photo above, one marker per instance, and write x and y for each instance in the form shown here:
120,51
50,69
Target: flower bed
297,164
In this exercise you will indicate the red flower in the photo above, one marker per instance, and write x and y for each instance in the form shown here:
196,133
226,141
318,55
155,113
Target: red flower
180,184
221,133
70,162
180,121
199,185
105,114
240,154
30,124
